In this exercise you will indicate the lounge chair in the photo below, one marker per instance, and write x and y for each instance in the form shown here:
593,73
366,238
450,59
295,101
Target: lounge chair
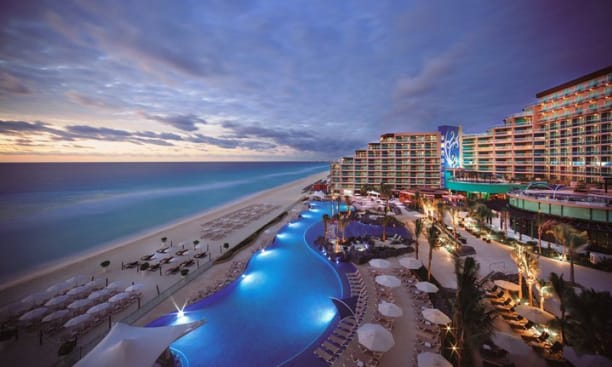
324,355
334,349
131,265
147,257
200,255
338,340
504,302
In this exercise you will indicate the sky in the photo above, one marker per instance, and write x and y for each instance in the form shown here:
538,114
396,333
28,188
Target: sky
275,80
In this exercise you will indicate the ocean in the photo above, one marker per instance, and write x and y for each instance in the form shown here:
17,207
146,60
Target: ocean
52,211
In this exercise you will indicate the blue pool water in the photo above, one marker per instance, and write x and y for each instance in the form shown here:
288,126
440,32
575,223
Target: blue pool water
275,312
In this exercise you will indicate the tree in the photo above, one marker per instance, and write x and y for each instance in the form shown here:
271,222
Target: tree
528,264
561,289
543,228
481,213
440,211
589,327
432,239
571,240
385,193
366,188
472,324
386,220
417,201
325,225
418,230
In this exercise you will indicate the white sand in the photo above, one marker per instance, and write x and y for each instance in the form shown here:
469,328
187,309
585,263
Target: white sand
186,231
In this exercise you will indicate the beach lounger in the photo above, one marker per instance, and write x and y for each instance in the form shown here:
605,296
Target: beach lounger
131,265
504,302
163,250
326,356
334,349
338,340
342,333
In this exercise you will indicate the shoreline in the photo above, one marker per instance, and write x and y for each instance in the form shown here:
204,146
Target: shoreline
148,235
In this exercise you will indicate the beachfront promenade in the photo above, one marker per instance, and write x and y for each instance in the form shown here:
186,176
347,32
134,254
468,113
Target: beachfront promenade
263,206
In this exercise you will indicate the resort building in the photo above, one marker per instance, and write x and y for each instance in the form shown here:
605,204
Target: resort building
400,161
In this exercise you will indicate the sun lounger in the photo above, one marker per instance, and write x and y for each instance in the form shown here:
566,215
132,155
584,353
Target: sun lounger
163,250
504,302
342,333
200,255
326,356
338,340
331,347
131,265
173,270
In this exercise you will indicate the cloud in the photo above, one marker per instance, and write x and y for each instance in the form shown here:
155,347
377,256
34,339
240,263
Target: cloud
87,101
186,122
11,84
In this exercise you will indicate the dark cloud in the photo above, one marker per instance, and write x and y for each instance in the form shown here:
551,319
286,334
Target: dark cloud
182,122
11,84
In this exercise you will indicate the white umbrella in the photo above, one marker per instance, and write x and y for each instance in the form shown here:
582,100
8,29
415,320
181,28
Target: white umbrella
388,281
135,288
389,309
78,291
36,313
56,315
584,360
76,321
57,300
375,337
512,287
99,308
58,288
99,294
379,263
436,316
410,263
429,359
426,287
95,284
79,303
35,299
116,284
119,297
77,280
534,314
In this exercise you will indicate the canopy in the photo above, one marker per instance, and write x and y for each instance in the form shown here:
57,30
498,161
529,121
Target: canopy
512,287
436,316
379,263
534,314
59,314
389,309
375,337
135,288
429,359
427,287
410,263
57,300
35,314
388,281
346,306
126,345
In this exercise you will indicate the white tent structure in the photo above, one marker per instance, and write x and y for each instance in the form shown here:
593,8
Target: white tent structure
126,345
317,195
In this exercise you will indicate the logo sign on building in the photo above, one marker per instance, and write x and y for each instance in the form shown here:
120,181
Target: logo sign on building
450,149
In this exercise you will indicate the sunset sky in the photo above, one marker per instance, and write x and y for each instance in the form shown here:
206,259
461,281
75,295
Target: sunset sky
275,80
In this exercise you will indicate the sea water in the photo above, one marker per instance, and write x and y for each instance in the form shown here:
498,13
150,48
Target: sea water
51,211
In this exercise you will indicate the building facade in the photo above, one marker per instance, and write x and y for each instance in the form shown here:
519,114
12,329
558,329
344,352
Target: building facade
565,137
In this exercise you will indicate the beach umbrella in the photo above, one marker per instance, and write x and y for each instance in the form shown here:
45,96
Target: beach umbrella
35,299
78,291
435,316
12,309
511,342
79,303
534,314
59,314
426,287
99,308
95,284
429,359
119,297
410,263
116,284
77,320
36,313
99,294
388,281
58,300
389,309
379,263
375,337
58,288
135,288
77,280
512,287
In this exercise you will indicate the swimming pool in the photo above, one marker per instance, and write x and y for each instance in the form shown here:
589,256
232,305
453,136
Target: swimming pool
274,312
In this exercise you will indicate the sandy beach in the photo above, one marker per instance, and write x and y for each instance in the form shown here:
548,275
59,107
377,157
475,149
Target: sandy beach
241,218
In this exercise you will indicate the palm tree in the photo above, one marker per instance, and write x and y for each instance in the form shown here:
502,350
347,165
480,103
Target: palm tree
589,329
386,220
571,240
417,201
531,270
561,289
440,211
325,225
472,324
418,230
481,213
543,228
385,193
432,239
